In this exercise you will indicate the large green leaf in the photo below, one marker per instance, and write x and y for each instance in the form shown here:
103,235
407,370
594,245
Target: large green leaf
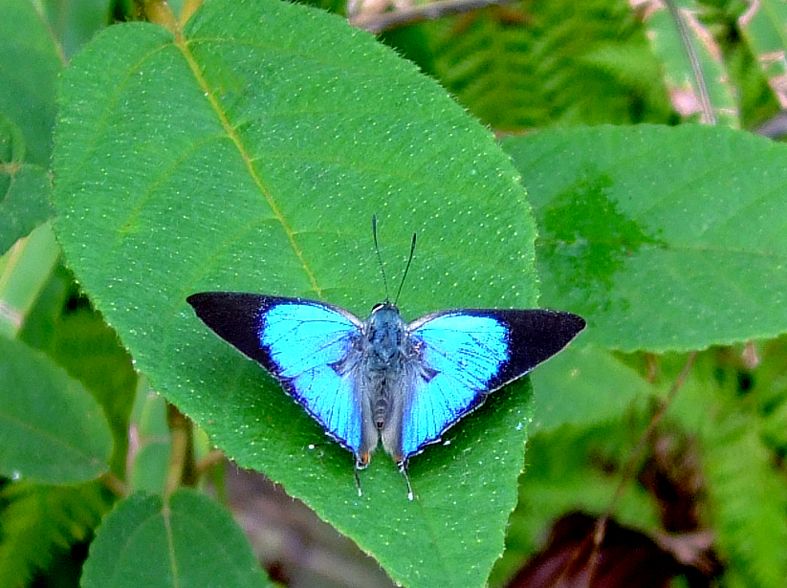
663,238
187,541
250,154
51,429
29,65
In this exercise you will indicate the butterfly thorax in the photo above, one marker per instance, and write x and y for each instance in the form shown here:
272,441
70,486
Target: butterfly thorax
385,335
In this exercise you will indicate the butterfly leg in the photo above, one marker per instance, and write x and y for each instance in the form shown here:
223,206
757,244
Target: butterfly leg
402,465
361,461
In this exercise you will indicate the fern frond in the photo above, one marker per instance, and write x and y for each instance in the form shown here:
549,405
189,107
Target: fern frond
748,502
40,521
533,64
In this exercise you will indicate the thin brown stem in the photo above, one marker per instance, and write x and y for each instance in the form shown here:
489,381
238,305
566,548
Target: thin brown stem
159,12
213,458
114,484
631,464
385,21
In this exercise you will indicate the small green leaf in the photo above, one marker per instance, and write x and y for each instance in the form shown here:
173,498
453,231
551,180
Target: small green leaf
764,30
25,189
187,541
24,273
25,204
583,384
51,429
29,66
663,238
263,141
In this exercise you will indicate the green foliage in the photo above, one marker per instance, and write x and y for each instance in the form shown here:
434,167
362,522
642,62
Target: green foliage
24,273
572,468
582,385
39,522
148,471
76,337
74,22
541,63
747,496
762,25
187,540
748,499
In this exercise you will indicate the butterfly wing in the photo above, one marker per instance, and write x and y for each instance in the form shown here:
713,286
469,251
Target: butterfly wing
308,346
463,355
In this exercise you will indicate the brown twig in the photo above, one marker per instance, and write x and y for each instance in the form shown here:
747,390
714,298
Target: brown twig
211,459
628,469
384,21
114,484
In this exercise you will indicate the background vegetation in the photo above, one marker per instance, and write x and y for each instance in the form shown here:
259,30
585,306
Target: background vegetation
244,145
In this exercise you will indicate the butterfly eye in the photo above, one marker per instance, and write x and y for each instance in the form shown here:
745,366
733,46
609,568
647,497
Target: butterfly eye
377,306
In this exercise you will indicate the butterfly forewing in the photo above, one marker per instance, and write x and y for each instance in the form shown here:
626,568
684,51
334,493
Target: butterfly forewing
310,347
464,355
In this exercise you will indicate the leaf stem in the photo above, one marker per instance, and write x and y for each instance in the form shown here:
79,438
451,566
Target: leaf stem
181,470
159,12
213,458
114,484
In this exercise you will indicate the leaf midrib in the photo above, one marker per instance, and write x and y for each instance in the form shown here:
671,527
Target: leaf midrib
181,43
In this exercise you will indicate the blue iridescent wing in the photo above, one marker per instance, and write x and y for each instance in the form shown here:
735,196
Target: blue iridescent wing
463,355
308,346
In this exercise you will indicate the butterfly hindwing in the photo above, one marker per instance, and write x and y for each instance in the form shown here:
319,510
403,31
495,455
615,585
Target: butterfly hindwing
463,355
309,346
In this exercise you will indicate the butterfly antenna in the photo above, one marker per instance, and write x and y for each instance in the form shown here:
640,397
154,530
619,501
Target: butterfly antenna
403,470
379,260
406,269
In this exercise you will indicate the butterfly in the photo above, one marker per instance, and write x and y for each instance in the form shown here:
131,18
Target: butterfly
383,380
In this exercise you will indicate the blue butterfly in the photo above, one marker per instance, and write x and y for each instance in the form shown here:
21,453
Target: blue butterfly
383,380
